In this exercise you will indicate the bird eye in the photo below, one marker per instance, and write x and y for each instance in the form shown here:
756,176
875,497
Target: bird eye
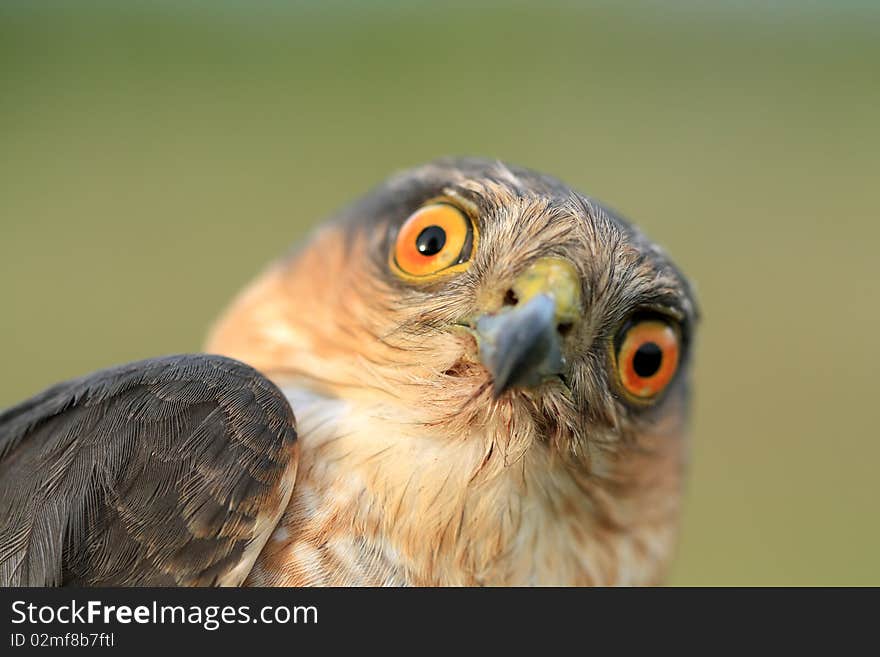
647,357
432,240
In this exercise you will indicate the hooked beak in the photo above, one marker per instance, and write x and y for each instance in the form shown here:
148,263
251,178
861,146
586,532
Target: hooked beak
521,343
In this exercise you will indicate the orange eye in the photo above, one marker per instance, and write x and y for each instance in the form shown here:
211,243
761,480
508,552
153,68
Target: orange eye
435,238
648,357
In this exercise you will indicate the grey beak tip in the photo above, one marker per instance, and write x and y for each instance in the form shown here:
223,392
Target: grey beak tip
498,388
521,346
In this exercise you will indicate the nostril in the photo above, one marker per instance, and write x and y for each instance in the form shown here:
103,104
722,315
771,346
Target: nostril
564,328
510,298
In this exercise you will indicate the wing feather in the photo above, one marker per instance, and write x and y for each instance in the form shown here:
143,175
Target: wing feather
170,471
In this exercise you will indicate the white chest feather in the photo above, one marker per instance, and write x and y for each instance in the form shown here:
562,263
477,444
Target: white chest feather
380,501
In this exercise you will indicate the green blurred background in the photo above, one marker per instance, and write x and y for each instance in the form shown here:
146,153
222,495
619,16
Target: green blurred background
153,156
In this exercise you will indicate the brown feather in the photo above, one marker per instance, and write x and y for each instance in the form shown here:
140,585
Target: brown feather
411,472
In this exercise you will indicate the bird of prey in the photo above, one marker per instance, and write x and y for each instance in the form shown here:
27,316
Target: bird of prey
472,376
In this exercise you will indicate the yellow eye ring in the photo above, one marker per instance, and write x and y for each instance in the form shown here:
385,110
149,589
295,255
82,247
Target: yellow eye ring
647,358
436,239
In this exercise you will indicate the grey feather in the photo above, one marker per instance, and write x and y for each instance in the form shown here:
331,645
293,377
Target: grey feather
153,473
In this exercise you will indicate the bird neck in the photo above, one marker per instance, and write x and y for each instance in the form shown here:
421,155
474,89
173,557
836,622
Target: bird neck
379,501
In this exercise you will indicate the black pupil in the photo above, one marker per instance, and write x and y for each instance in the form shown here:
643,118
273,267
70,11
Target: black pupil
647,360
431,240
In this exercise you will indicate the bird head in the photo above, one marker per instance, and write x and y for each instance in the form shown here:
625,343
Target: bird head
464,287
491,308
